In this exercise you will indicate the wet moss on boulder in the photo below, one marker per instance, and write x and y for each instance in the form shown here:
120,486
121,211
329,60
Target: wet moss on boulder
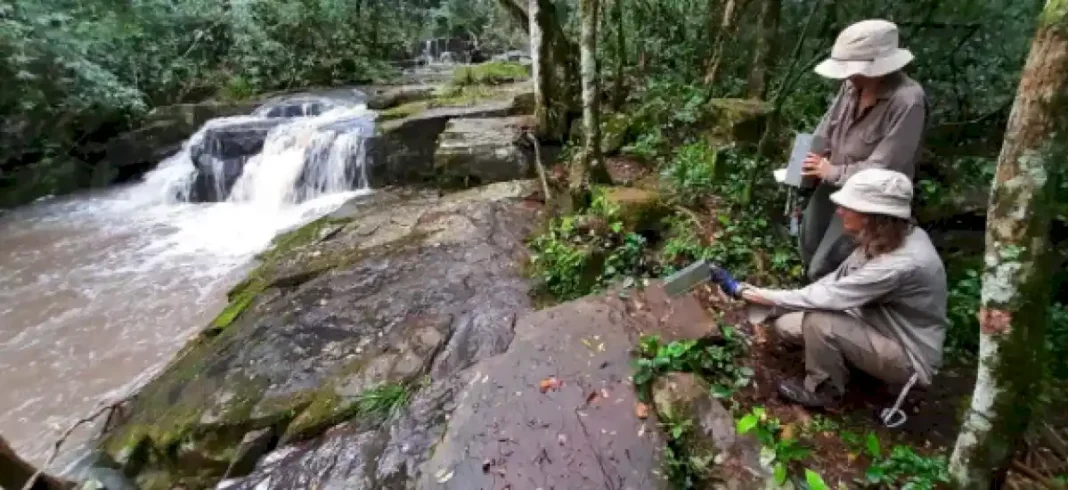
342,322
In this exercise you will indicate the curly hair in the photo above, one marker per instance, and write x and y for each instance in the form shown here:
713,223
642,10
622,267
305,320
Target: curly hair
882,234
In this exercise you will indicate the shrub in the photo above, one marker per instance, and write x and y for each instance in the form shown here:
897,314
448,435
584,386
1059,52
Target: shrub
691,173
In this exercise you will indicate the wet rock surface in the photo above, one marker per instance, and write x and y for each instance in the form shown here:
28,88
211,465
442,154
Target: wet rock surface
407,291
555,411
165,129
485,149
422,294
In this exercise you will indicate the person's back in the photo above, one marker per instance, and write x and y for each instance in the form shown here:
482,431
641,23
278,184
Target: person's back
914,311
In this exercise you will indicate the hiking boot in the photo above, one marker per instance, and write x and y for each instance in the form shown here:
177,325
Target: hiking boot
795,391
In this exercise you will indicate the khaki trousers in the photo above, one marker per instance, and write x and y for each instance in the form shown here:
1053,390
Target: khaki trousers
823,243
833,338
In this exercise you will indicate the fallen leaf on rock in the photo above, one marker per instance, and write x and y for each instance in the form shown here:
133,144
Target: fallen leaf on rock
550,383
592,397
641,410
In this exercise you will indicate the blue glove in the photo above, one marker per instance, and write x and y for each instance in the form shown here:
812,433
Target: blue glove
726,281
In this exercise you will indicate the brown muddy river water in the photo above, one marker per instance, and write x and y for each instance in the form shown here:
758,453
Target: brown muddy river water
99,291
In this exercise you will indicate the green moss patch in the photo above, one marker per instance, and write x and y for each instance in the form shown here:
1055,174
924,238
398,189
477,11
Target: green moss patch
491,73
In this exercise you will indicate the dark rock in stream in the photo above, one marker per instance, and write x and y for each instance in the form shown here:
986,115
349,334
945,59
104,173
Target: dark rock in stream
221,153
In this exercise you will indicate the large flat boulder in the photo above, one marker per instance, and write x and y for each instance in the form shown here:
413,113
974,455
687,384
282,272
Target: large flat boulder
485,150
361,309
555,410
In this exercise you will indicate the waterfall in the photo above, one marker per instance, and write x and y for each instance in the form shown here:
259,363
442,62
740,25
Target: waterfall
282,155
307,158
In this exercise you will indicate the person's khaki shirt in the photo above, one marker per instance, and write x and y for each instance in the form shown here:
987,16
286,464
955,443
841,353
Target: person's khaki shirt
887,135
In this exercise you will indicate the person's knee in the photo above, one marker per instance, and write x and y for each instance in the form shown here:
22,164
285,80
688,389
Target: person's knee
818,324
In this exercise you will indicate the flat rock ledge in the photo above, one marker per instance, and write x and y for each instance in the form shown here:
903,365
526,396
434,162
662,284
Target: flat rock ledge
393,345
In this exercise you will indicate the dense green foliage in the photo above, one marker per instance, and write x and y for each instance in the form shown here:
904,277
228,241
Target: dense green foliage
577,255
782,450
75,73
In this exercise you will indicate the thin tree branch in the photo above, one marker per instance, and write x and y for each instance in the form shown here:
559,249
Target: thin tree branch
66,434
796,56
518,14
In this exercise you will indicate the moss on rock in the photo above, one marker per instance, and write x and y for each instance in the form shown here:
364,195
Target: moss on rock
639,209
491,73
740,121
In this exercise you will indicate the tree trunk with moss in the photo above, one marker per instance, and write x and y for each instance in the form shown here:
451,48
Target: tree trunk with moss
1016,279
549,72
621,54
15,472
590,159
764,54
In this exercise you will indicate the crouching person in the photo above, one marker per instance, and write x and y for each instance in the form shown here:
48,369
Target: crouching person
882,311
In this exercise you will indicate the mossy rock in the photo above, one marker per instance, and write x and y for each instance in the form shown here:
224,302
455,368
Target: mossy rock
361,299
490,73
739,121
45,177
685,400
615,131
639,209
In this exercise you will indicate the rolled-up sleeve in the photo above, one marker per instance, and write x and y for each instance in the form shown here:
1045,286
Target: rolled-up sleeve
898,148
863,286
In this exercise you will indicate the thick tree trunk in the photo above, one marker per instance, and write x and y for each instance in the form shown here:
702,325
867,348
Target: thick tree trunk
15,472
590,159
550,71
542,70
1016,288
618,95
764,55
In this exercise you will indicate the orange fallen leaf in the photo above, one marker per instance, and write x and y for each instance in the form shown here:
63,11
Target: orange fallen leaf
549,384
641,410
592,397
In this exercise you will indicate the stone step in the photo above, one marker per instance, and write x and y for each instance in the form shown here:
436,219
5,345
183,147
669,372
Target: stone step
485,149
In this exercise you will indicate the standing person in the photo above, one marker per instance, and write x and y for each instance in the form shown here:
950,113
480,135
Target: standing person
876,121
883,310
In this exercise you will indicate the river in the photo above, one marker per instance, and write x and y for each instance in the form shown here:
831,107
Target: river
99,290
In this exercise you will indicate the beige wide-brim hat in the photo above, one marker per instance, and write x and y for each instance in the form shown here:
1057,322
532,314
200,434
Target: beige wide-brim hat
868,48
877,191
